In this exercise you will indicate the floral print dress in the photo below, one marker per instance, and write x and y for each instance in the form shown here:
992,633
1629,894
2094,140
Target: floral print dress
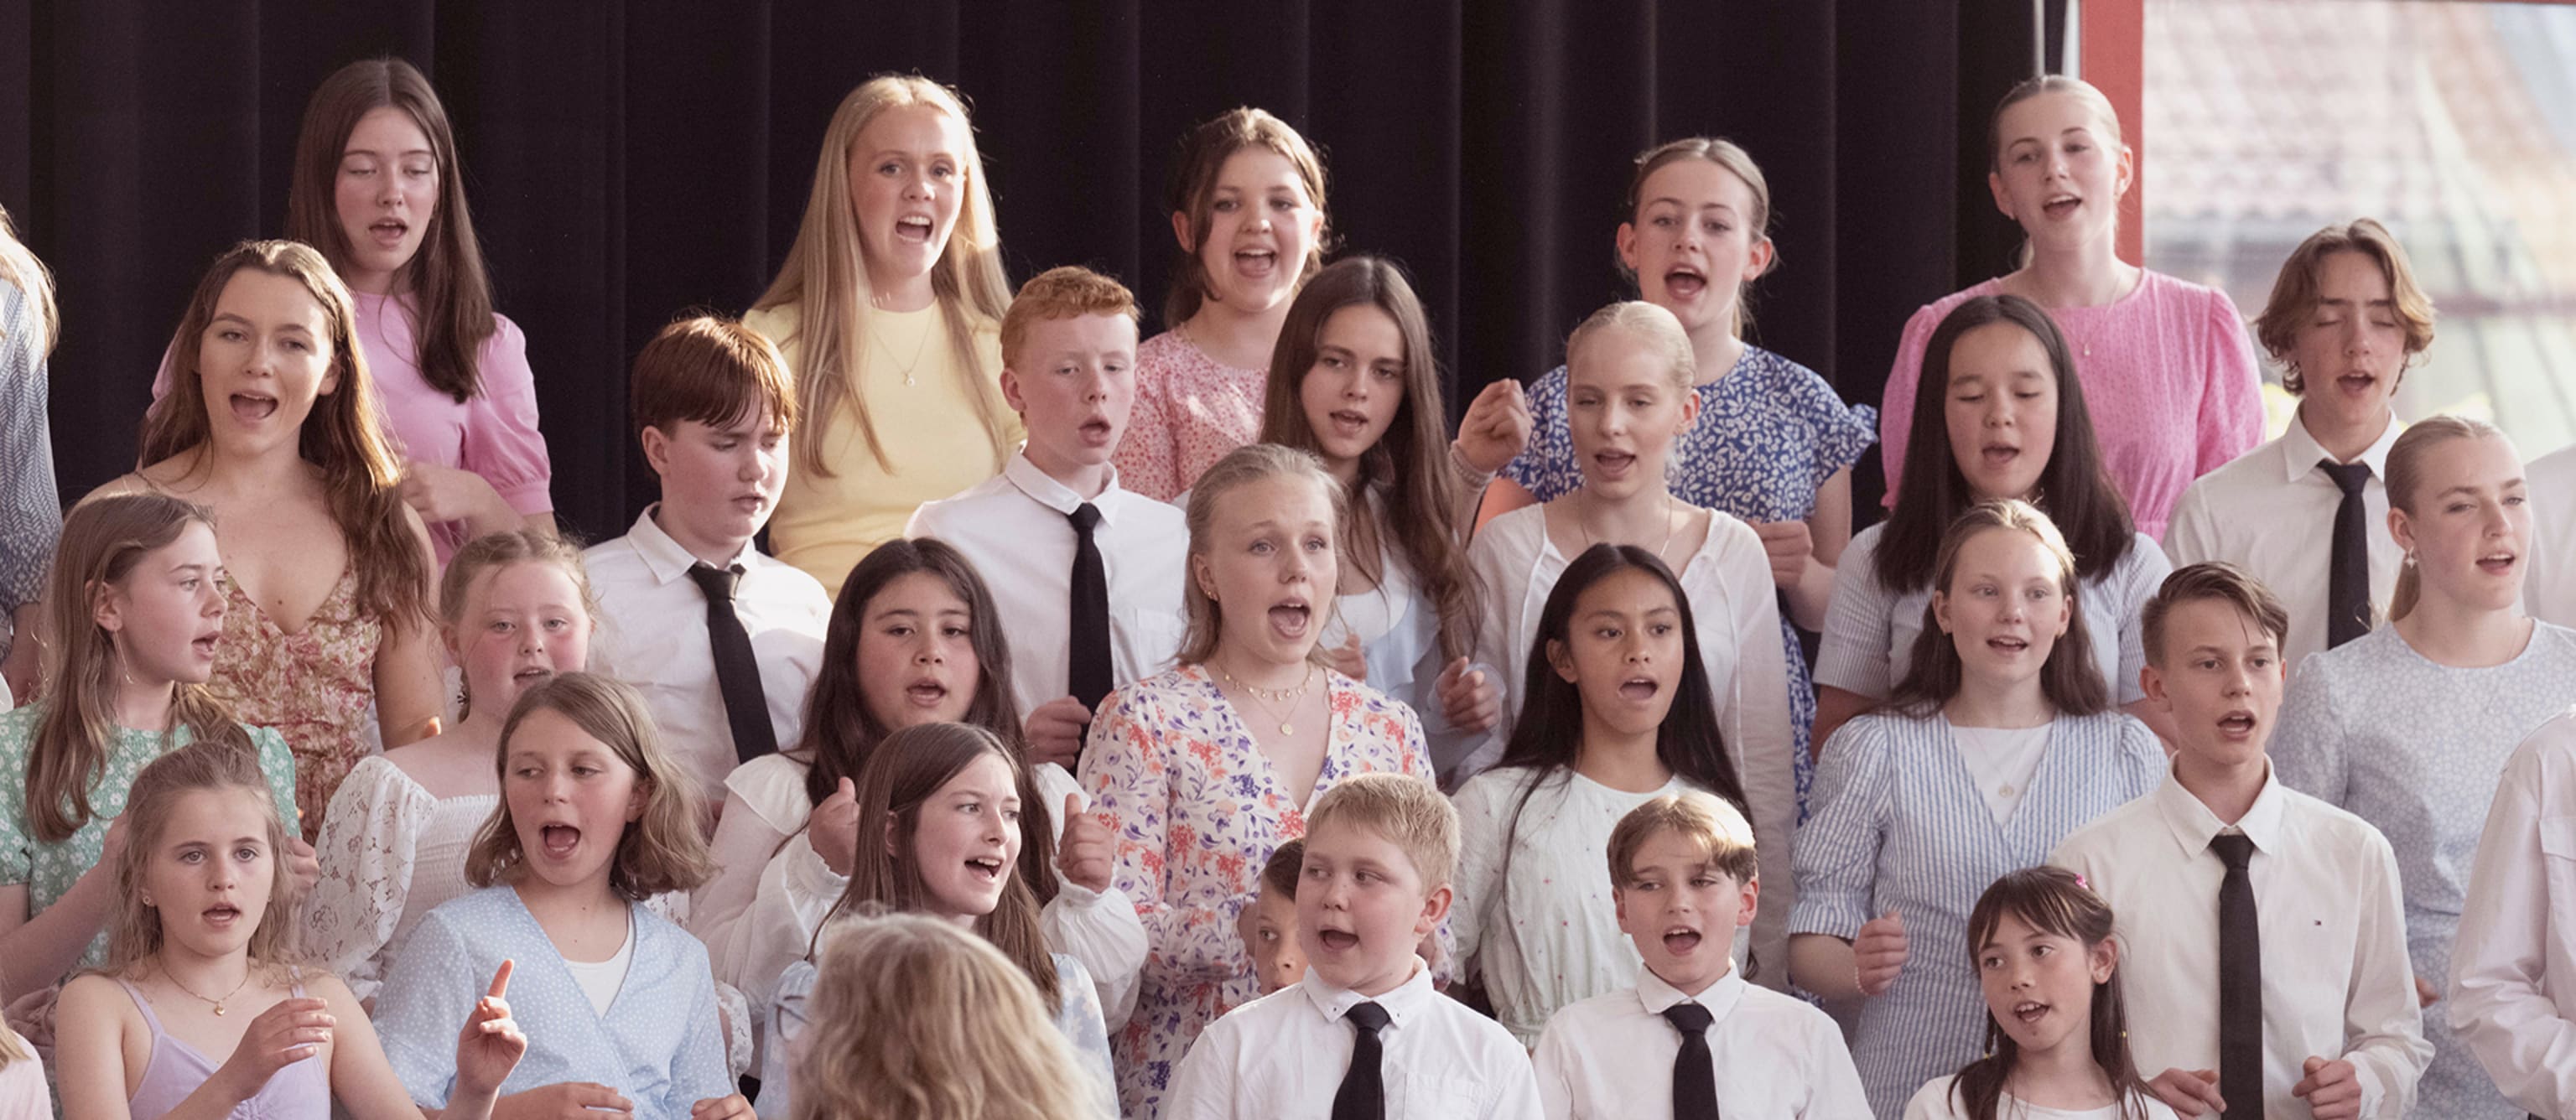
1196,809
315,686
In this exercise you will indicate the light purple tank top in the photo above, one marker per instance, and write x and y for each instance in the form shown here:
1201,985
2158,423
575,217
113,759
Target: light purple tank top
301,1091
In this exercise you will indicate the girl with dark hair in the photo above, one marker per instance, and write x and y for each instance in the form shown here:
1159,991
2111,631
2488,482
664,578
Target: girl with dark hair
2001,415
1998,743
1354,380
1615,712
948,798
914,639
2057,1035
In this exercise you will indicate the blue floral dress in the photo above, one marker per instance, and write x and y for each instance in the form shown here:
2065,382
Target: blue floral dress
1769,434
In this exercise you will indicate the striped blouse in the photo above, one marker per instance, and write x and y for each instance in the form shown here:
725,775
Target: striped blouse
1899,825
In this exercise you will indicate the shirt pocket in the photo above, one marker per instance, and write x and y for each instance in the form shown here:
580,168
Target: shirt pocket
1429,1096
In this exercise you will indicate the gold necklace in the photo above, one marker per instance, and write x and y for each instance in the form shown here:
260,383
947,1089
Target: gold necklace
1588,542
917,351
218,1003
1261,696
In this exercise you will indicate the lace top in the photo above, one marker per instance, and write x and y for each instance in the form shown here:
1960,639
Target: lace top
391,851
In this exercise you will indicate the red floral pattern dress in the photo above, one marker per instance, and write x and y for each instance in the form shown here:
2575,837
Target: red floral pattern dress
1189,412
315,686
1197,808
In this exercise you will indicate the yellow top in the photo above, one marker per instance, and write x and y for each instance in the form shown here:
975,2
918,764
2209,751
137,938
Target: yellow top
927,424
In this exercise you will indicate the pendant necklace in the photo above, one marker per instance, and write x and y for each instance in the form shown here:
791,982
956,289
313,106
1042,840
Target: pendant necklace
218,1003
1261,697
907,367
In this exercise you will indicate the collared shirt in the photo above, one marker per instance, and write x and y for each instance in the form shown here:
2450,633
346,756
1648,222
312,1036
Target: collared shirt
2272,513
1282,1057
2336,982
1611,1057
1017,529
2549,583
653,635
2513,971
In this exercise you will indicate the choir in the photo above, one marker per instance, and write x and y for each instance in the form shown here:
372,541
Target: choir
1198,727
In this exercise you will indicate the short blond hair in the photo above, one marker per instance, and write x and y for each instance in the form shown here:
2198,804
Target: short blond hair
1408,811
1066,292
1710,822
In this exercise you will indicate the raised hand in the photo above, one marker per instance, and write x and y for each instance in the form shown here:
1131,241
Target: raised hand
1054,731
1350,658
290,1031
834,829
1496,427
449,494
2332,1089
1083,853
1789,545
304,863
1470,701
1878,954
490,1045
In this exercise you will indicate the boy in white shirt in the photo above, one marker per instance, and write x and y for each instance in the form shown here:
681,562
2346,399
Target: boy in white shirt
2513,969
1691,1038
721,641
1268,926
2316,1014
1082,622
1363,1033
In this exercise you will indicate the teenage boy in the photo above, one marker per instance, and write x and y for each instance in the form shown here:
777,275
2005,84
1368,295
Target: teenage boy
1087,574
2263,943
721,641
1364,1033
1691,1038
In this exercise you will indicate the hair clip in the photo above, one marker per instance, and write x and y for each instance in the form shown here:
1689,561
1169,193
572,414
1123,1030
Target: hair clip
2079,881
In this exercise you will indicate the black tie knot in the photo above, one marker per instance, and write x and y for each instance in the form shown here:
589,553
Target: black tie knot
1368,1018
1690,1018
1086,517
2350,476
2234,848
717,583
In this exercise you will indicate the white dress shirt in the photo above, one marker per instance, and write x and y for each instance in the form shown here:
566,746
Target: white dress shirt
1282,1057
2272,513
2513,969
1611,1057
653,635
2549,583
1017,529
2336,981
1736,608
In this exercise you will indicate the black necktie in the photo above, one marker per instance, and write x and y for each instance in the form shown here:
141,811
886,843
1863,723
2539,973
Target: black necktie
1090,672
737,673
1694,1072
2240,980
2348,576
1363,1092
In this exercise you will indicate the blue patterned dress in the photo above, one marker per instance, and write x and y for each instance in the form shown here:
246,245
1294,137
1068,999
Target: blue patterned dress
1769,434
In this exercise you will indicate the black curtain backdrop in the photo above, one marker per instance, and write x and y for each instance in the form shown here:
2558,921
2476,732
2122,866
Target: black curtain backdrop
629,161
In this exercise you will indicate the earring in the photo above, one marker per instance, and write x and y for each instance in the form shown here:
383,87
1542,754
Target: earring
2410,559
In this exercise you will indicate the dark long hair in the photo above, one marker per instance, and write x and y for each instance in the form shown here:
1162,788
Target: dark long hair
449,284
892,787
1419,519
1550,731
841,733
2069,678
2051,900
2074,487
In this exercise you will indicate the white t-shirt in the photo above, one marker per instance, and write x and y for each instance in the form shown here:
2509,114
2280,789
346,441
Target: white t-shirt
600,980
2002,760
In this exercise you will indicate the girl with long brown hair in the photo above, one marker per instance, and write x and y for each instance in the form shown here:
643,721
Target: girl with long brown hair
271,424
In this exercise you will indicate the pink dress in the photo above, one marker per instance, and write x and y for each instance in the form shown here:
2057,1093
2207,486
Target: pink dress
1189,412
2169,378
313,686
1197,808
493,433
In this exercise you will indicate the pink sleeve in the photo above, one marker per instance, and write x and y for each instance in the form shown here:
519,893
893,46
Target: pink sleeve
2231,396
502,443
1149,456
1896,407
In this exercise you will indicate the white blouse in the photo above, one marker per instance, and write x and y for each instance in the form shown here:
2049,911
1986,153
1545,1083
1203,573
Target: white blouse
391,851
1543,933
1735,606
772,891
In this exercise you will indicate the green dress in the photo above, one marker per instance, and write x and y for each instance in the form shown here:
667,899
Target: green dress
49,870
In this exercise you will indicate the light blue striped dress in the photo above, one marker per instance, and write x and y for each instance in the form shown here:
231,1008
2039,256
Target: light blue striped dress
1898,824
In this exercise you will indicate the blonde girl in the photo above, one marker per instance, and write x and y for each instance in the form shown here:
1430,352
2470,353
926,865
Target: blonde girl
138,629
2166,366
889,311
916,1019
200,963
1247,203
515,610
594,818
30,508
271,423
